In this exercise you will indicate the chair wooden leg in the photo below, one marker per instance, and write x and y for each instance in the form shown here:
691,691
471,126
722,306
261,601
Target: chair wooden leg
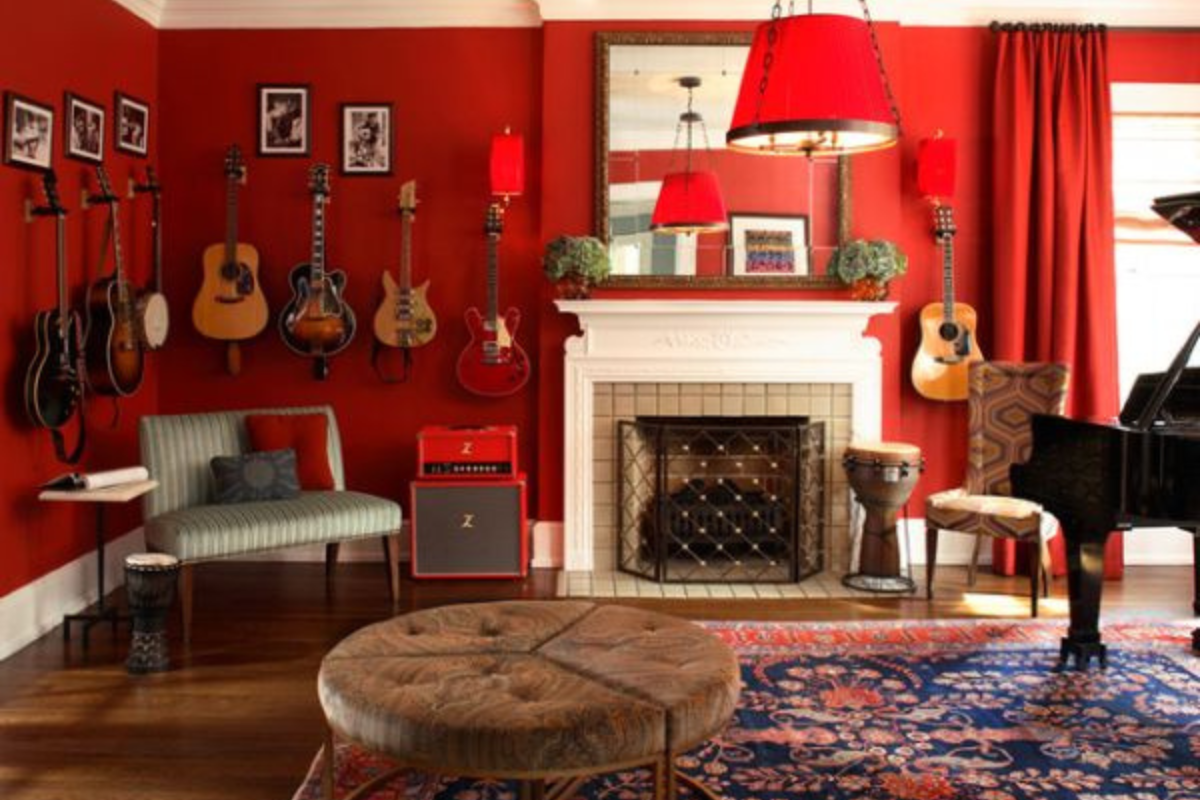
391,554
1035,570
187,583
974,560
1047,565
331,557
931,545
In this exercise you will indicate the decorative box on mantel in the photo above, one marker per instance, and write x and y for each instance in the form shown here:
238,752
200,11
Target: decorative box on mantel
706,342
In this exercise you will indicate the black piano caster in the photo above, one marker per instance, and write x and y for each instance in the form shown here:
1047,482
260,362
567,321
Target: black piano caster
1082,652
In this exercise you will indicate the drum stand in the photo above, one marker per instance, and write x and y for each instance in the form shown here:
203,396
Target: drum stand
885,584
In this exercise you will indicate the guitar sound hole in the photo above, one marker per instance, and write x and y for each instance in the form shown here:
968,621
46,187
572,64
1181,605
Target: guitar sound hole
948,331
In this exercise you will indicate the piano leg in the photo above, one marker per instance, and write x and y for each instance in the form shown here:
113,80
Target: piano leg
1196,572
1085,580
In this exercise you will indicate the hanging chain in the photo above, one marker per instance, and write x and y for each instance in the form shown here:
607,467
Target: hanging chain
768,57
887,86
690,119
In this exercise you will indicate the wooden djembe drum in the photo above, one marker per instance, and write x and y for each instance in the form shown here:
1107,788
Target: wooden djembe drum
882,475
150,584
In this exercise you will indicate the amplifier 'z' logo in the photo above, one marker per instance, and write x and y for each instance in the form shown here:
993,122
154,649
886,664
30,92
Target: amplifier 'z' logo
468,522
468,448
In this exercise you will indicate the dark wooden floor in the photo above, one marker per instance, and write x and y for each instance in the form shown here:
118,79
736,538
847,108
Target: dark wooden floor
237,716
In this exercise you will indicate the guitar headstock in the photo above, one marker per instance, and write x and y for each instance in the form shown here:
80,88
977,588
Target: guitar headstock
318,182
408,198
943,221
50,189
235,167
106,193
495,220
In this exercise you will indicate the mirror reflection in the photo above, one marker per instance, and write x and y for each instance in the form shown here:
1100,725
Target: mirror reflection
779,225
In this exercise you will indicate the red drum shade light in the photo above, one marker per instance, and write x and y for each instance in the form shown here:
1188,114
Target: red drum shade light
814,85
508,164
690,200
936,167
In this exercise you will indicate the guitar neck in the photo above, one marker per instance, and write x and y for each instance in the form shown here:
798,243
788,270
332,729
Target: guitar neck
119,260
947,240
61,271
493,307
406,254
317,273
156,228
231,219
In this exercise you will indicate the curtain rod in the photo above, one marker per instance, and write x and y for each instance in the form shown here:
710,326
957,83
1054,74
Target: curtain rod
996,26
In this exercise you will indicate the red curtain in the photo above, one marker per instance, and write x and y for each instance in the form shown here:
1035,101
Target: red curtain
1054,285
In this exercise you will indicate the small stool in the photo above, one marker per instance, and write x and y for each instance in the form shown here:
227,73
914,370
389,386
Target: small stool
150,582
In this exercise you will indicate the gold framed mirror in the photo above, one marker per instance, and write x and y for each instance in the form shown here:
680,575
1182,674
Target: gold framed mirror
782,212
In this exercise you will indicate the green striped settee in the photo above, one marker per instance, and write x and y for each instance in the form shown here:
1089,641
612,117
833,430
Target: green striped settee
182,520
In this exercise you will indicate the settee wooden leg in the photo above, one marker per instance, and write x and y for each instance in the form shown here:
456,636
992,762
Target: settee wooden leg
331,557
391,552
187,577
330,766
931,545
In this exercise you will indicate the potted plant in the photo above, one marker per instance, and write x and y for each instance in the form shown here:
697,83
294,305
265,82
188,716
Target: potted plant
868,266
575,264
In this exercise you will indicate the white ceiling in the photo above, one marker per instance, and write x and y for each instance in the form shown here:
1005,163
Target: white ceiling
532,13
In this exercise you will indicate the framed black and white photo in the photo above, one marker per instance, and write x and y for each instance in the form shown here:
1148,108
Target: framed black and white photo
83,129
366,139
131,127
765,245
28,133
284,120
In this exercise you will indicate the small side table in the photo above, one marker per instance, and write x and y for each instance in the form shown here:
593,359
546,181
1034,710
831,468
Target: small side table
121,493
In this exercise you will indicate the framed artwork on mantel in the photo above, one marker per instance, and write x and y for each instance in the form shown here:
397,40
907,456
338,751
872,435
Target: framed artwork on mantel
764,245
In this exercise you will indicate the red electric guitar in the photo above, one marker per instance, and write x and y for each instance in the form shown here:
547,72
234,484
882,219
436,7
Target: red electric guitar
493,365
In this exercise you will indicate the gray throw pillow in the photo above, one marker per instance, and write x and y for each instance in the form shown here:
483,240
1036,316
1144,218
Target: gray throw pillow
266,475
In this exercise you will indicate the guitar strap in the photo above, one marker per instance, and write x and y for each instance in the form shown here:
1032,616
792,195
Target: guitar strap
60,441
377,363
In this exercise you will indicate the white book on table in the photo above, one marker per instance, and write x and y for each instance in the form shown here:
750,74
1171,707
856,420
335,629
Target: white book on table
98,480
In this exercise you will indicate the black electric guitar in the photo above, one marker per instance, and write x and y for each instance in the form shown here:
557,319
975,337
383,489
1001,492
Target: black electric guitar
54,381
115,360
317,322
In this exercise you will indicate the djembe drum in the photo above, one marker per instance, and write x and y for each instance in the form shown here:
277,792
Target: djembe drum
150,583
882,475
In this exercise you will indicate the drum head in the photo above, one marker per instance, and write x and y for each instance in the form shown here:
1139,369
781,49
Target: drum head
885,452
151,561
155,319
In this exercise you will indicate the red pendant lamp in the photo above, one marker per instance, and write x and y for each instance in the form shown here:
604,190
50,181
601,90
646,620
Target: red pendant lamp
936,168
689,201
507,164
814,85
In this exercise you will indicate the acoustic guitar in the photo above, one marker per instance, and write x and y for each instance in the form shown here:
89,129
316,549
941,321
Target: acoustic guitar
493,364
317,322
154,319
54,380
230,305
948,341
115,361
404,318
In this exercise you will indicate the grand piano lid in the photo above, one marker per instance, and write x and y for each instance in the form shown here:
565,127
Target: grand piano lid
1182,211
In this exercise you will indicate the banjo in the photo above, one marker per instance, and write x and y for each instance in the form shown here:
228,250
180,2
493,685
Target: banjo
152,312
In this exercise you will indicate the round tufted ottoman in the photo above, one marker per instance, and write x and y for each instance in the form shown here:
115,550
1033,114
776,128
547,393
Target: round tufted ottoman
534,691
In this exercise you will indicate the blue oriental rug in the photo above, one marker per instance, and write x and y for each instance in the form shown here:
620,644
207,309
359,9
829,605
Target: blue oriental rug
917,711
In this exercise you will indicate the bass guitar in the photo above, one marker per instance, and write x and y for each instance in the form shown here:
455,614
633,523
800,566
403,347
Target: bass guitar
493,364
404,318
948,341
317,322
230,305
54,381
154,319
115,361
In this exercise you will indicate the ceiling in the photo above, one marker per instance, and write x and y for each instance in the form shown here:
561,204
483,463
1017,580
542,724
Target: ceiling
532,13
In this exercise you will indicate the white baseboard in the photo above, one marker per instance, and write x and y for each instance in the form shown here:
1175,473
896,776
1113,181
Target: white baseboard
35,608
547,545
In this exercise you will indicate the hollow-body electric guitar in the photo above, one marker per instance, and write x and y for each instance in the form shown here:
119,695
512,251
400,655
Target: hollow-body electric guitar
404,318
317,322
493,364
948,341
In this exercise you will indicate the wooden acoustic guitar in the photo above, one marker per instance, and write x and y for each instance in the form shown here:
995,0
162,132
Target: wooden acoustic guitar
493,364
154,320
404,318
115,361
54,380
317,322
230,305
948,341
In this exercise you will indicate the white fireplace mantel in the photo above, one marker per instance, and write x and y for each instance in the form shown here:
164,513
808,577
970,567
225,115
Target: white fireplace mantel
706,341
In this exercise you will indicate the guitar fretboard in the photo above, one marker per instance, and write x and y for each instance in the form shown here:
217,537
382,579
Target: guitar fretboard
493,288
947,240
405,308
318,239
231,218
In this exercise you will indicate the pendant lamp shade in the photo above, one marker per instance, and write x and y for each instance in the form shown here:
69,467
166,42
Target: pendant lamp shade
689,202
508,164
936,167
823,93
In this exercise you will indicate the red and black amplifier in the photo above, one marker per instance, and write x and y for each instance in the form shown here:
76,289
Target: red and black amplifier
462,451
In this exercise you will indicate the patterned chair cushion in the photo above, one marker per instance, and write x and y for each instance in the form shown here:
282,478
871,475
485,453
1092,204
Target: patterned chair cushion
215,531
989,515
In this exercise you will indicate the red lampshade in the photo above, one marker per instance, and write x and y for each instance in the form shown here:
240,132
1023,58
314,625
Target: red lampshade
689,202
935,167
508,164
824,93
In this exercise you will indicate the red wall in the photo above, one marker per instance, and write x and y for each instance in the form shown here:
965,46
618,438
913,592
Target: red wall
90,47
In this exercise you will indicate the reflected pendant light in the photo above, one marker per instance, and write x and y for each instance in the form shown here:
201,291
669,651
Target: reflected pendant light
507,164
814,85
689,201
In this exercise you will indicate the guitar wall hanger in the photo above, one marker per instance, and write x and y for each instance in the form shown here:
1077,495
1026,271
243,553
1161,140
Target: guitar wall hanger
33,212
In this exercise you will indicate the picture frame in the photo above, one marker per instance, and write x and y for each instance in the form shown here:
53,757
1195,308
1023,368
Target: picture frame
84,128
284,120
28,133
768,245
131,125
367,141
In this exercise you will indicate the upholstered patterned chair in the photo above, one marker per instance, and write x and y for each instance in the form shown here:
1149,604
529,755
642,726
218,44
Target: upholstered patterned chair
182,520
1003,397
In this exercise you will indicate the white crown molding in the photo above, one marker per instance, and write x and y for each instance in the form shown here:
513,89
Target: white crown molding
350,14
149,10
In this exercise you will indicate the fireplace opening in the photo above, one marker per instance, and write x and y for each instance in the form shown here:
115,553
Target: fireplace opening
719,499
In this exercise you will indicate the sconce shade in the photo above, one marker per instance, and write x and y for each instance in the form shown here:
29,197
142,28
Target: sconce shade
824,92
508,164
689,202
936,167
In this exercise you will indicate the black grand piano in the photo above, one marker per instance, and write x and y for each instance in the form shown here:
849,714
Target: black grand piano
1142,472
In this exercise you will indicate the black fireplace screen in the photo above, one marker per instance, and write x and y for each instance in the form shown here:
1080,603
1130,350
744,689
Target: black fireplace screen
721,499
